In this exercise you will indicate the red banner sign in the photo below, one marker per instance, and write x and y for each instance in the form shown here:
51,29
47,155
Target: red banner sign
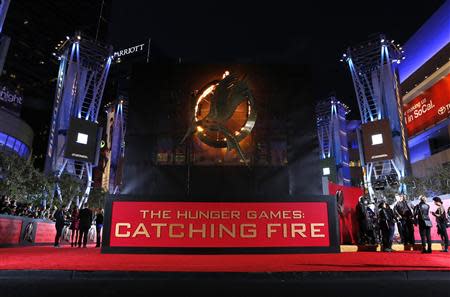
429,108
10,231
45,232
217,225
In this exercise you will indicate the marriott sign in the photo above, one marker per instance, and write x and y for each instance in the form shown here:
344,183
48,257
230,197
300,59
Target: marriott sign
129,51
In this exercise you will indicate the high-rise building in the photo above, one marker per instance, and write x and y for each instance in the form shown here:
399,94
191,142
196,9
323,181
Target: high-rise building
16,136
425,84
35,28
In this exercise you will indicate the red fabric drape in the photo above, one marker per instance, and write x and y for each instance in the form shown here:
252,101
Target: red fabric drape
347,221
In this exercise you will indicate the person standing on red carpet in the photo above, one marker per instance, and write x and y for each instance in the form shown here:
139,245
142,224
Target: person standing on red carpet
441,221
99,225
59,224
85,224
74,226
387,226
404,212
422,218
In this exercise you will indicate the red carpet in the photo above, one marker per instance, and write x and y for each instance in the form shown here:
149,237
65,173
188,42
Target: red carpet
49,258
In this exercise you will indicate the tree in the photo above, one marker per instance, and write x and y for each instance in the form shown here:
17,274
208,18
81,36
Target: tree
22,182
415,186
16,174
70,188
97,197
437,182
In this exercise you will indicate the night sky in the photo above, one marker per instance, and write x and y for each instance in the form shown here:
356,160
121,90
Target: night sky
312,32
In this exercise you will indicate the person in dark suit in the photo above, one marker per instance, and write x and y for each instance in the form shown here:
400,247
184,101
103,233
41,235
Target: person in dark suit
59,224
99,225
404,212
422,218
441,221
387,226
85,224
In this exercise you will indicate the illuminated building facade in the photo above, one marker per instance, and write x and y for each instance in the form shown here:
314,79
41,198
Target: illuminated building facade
16,136
425,84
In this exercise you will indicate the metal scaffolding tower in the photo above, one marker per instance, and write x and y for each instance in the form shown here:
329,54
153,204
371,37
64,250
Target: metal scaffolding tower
83,70
373,66
332,135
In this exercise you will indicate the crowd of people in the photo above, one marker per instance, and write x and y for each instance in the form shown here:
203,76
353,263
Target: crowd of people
10,206
377,222
79,222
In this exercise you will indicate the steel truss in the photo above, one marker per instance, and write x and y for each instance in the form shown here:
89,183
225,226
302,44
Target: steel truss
373,66
332,135
83,70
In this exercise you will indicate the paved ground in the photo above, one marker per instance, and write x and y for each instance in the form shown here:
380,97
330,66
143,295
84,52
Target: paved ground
385,284
85,272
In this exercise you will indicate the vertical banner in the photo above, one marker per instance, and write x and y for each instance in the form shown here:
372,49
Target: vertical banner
303,225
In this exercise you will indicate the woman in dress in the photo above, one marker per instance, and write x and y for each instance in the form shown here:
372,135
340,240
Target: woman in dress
74,226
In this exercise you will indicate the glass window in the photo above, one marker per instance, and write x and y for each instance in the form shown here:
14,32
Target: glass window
25,151
20,151
10,142
17,146
2,139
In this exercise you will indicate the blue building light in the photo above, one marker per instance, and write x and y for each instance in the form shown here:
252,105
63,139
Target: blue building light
9,143
426,42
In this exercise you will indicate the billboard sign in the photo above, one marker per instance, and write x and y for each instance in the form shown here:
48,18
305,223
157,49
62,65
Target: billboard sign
10,100
194,227
377,141
138,49
429,108
83,141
